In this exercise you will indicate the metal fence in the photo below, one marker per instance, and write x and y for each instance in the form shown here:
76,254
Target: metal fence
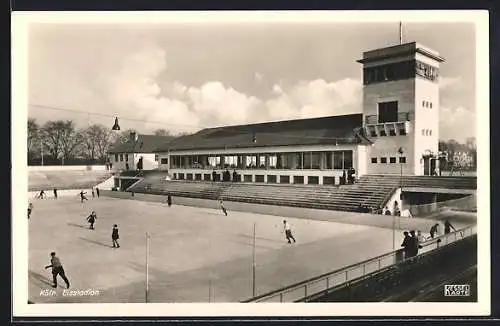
322,283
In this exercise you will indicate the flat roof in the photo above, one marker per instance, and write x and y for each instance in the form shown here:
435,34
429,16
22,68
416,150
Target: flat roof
336,130
400,50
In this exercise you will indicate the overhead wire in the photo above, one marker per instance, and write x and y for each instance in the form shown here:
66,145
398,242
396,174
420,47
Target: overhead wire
89,113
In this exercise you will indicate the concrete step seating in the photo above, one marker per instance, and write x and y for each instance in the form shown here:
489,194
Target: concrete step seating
423,181
346,198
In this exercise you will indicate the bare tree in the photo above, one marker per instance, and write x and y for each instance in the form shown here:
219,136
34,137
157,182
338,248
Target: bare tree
122,137
162,132
33,138
60,137
70,140
96,140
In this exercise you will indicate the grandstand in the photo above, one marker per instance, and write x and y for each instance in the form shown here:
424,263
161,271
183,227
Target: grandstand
370,193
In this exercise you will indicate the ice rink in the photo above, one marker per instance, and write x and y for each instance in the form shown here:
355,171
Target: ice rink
196,254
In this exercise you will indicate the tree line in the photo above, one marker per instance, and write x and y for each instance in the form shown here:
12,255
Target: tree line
61,142
452,147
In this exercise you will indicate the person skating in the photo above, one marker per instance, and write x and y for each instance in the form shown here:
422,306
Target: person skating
55,193
82,196
97,192
115,236
30,209
222,207
57,269
91,219
169,200
288,232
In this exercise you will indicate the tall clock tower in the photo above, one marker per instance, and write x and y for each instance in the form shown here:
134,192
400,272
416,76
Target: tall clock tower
401,109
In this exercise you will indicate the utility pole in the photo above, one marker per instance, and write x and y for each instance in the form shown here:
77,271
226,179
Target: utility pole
41,151
253,261
147,266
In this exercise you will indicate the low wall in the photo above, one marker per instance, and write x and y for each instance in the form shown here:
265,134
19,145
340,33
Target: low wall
468,203
49,194
42,168
383,221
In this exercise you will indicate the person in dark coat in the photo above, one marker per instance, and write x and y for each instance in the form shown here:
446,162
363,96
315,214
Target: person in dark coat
57,269
169,200
82,196
91,219
415,244
93,193
448,227
55,193
97,192
434,230
30,209
406,245
115,236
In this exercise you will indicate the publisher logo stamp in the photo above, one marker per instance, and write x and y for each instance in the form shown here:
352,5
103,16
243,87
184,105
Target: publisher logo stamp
457,290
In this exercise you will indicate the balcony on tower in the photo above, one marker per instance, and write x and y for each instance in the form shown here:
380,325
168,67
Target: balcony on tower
388,125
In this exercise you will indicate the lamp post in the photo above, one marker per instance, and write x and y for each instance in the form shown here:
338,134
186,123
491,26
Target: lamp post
401,152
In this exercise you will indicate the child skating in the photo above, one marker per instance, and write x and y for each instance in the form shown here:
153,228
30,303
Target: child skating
115,236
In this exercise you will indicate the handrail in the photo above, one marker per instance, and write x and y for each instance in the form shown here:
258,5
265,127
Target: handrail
387,196
345,270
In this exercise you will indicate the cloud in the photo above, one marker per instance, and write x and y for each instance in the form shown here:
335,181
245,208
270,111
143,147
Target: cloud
316,98
446,82
258,77
135,90
213,103
456,123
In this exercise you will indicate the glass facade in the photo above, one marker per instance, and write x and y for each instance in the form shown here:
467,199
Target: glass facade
332,160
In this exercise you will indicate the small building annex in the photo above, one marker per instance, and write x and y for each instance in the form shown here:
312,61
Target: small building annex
137,153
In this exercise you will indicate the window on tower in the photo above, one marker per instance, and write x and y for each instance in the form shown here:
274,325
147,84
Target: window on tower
388,112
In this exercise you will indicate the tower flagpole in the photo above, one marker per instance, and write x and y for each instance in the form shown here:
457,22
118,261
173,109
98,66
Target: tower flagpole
400,33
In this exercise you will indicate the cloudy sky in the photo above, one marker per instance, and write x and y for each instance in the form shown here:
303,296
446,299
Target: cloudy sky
183,77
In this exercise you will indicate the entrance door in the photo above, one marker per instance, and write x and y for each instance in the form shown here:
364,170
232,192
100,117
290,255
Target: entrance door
433,166
426,165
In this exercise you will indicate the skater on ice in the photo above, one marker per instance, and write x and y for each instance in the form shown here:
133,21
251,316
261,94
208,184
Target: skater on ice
57,269
82,196
30,209
222,207
91,219
115,236
288,231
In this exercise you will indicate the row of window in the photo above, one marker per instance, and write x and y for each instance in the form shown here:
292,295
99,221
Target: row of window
398,71
336,160
392,132
121,157
383,160
426,132
297,179
426,104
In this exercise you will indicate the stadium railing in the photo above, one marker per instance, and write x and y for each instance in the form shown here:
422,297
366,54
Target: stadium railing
331,280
